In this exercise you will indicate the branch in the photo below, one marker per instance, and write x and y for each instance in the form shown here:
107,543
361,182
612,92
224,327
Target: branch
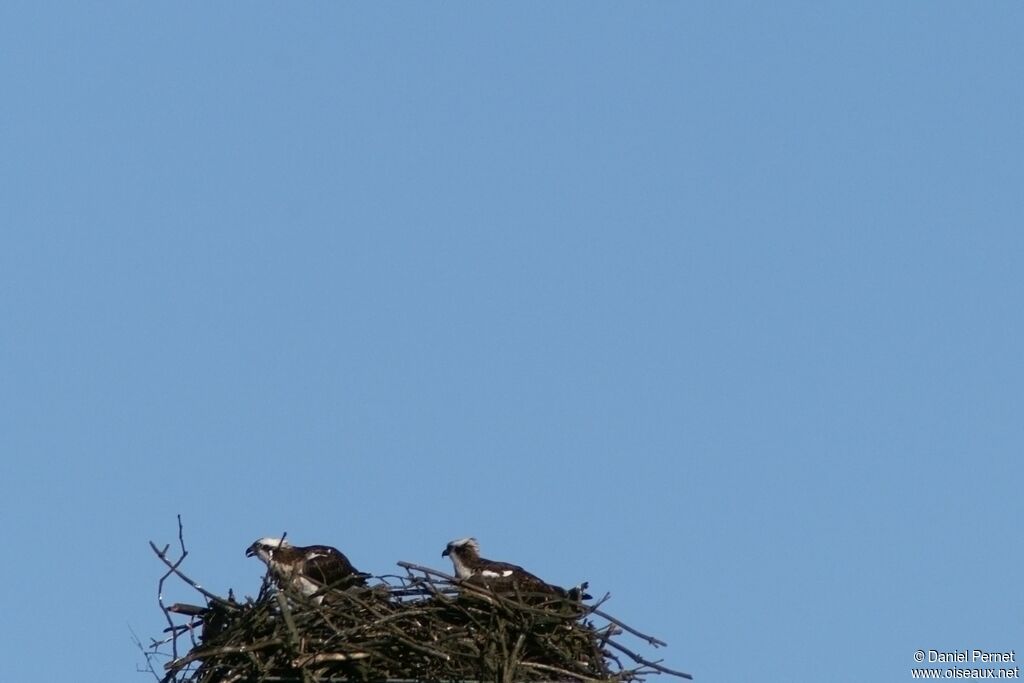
650,639
556,670
145,653
173,569
196,655
654,665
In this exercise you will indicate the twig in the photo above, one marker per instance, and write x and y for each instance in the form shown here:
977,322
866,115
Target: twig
196,655
173,569
654,665
162,554
650,639
145,653
322,657
286,614
556,670
426,570
513,660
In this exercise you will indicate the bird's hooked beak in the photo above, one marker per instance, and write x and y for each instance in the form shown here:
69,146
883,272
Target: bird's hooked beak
251,550
446,552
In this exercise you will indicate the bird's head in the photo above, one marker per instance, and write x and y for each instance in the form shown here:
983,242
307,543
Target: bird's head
462,546
264,548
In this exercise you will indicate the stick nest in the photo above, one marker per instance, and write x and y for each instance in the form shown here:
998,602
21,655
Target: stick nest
421,626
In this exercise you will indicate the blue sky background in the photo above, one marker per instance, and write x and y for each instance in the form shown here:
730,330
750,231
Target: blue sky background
716,305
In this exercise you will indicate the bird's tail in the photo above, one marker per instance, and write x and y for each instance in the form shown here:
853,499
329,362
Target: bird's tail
579,592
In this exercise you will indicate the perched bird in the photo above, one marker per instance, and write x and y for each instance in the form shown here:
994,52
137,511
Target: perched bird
469,566
308,569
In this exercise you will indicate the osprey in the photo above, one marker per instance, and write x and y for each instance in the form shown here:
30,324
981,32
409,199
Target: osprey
308,569
469,566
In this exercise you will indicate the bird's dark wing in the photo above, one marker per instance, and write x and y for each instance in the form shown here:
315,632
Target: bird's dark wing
504,575
330,567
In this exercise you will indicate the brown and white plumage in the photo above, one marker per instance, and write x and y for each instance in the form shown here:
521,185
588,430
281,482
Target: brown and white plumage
469,566
307,569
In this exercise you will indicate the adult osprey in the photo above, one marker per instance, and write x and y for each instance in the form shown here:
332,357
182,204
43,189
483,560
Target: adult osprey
469,566
307,569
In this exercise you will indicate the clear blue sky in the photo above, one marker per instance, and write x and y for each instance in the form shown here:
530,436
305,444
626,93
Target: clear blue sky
717,305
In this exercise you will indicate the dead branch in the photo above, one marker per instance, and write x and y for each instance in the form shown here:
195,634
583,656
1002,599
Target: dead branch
654,665
650,639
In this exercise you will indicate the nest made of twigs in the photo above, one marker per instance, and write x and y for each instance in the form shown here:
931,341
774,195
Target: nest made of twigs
422,626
